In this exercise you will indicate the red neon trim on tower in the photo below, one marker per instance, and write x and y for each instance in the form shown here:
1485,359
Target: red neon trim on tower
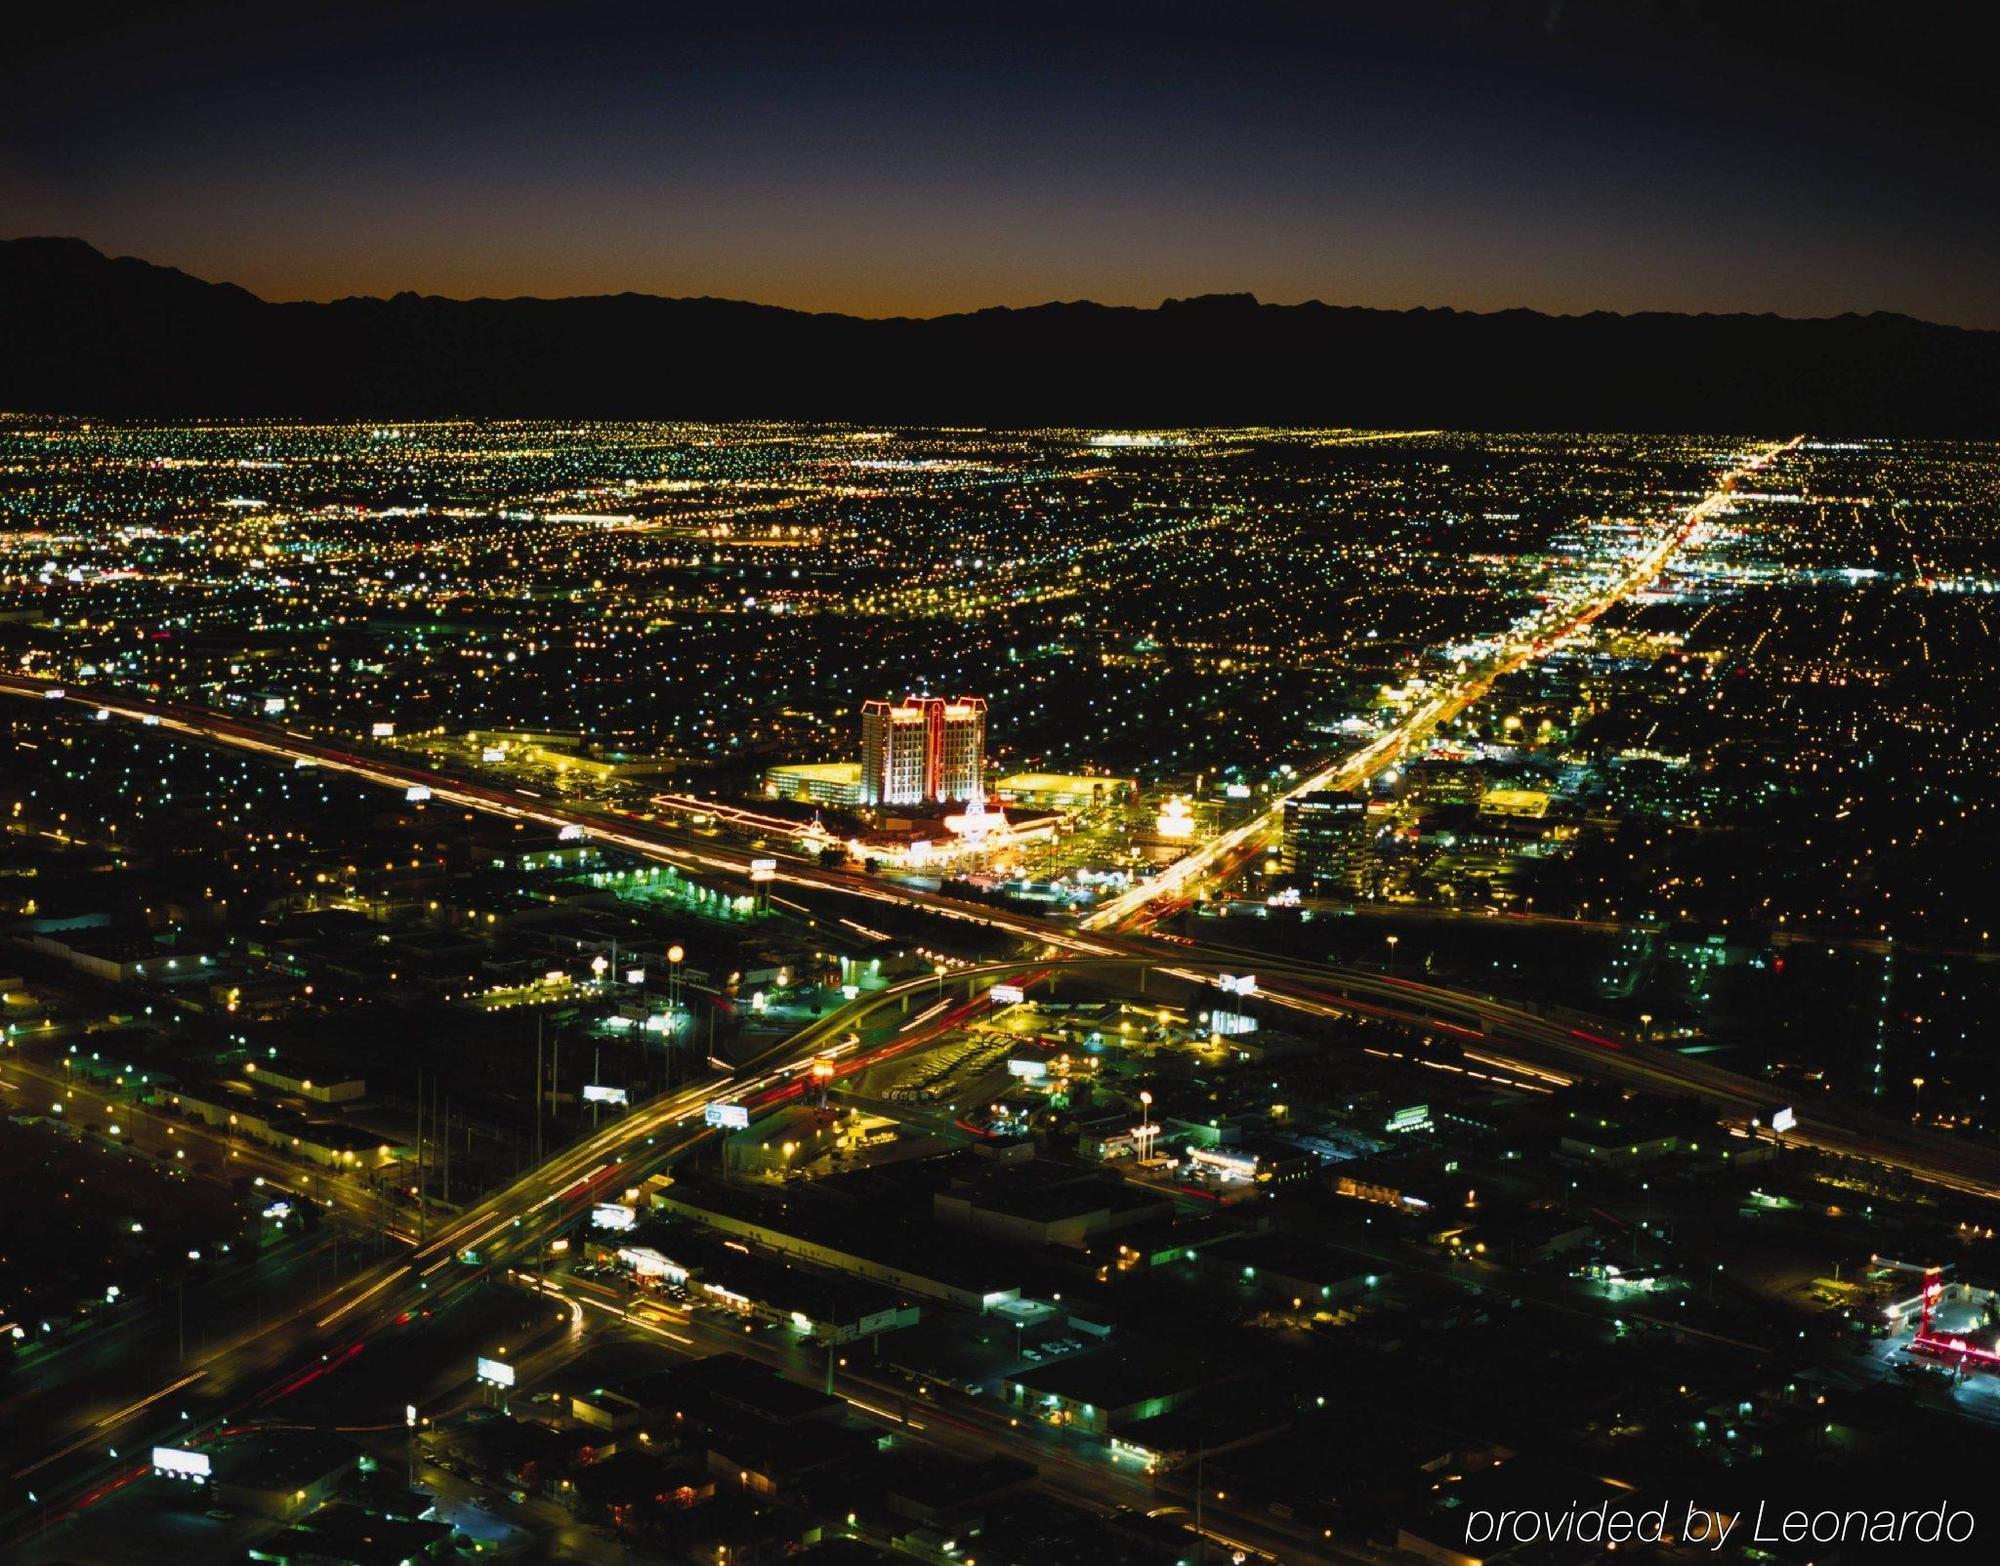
933,747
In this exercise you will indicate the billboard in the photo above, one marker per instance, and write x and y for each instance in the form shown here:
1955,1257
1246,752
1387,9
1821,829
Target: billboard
594,1093
416,793
763,869
612,1215
178,1463
381,730
1235,984
732,1117
1033,1070
496,1371
1783,1120
1007,994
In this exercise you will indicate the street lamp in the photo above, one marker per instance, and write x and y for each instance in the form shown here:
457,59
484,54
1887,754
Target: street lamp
675,957
1646,1027
1392,940
1918,1084
1146,1130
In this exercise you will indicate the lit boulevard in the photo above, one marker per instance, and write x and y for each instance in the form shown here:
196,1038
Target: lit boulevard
1204,970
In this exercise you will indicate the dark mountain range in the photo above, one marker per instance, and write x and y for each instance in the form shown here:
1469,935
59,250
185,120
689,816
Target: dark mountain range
82,333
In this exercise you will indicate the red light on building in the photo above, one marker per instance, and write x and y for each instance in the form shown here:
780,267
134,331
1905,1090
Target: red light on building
923,750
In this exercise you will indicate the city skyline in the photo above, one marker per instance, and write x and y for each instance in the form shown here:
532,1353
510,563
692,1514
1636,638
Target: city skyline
1000,786
464,1008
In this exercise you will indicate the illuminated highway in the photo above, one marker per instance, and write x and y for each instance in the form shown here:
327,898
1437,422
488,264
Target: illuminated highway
654,842
648,839
511,1228
189,1143
1225,851
509,1231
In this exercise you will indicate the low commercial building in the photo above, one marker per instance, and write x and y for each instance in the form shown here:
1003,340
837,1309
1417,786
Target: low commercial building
1114,1387
970,1275
939,1490
828,1310
344,1535
1536,1235
1047,1204
330,1144
1612,1142
791,1138
769,1459
325,1085
286,1473
1317,1275
606,1408
1062,790
835,783
1260,1163
1529,804
122,959
1204,1427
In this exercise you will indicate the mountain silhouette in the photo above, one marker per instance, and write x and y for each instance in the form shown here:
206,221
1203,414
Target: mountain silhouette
81,332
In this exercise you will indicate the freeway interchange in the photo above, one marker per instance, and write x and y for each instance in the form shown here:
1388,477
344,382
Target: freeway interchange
509,1231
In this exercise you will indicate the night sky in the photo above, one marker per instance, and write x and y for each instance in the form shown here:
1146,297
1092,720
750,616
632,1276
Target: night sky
1801,158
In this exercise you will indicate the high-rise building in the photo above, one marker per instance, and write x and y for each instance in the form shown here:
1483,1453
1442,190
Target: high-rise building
1324,836
923,750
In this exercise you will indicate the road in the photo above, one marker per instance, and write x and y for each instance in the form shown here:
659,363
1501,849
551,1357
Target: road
1523,919
508,1232
235,1376
1440,708
512,1226
33,1087
971,1427
650,840
661,843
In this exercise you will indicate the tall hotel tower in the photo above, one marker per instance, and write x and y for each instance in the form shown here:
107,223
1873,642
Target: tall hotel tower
924,750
